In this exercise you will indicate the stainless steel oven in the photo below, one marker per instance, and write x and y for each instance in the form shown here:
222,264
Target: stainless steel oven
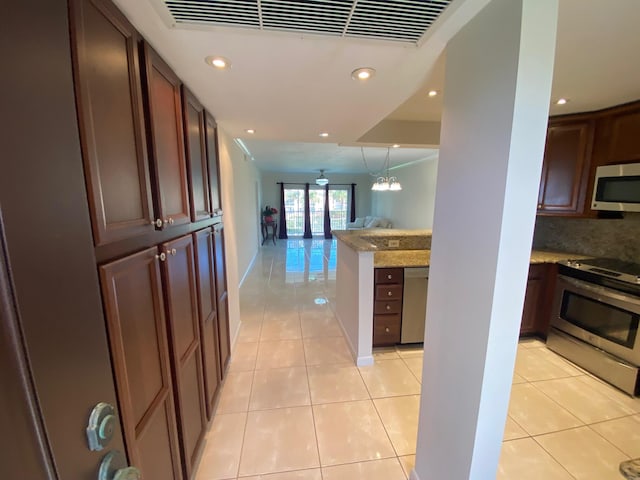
595,319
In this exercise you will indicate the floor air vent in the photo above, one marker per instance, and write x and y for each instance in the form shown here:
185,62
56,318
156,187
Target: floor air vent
395,20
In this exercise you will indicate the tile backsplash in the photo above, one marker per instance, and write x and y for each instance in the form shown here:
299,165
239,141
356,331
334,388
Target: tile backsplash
616,238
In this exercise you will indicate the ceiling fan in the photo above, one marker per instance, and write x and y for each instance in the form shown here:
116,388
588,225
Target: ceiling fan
322,180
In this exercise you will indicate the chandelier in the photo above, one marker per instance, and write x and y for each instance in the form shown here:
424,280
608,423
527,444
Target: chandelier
383,183
322,180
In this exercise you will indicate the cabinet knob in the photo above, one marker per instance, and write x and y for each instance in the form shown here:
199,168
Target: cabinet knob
389,276
169,221
389,293
539,206
387,329
388,307
162,257
158,223
172,252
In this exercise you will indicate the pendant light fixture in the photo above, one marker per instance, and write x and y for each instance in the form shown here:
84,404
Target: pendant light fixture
384,183
322,180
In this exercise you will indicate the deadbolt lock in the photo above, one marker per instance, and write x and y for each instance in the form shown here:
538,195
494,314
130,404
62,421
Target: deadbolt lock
101,427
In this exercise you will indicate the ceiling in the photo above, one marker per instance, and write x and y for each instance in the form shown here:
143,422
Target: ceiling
290,86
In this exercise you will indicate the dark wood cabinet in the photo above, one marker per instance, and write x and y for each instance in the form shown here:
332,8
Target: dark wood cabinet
624,135
387,308
566,167
213,163
185,347
206,280
195,141
221,289
134,305
166,141
538,300
111,120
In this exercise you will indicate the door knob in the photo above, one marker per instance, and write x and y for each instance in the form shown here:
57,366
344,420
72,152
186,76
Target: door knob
114,467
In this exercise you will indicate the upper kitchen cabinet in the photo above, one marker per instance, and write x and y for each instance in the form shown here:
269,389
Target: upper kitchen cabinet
194,129
214,164
166,141
111,120
620,129
566,167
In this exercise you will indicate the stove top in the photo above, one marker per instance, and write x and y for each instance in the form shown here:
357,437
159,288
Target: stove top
608,267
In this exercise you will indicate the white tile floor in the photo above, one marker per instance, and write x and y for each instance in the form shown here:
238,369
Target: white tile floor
294,406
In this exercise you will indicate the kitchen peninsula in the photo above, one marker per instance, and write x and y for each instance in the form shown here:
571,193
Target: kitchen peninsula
360,253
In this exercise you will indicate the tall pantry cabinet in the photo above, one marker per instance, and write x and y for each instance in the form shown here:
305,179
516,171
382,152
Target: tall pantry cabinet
151,168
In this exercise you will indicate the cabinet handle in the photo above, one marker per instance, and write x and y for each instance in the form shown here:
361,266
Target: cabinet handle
158,223
162,257
388,307
389,276
387,329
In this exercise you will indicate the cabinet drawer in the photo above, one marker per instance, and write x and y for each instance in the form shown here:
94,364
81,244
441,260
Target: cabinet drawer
386,330
389,275
384,307
388,292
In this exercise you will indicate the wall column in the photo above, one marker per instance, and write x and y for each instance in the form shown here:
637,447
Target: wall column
496,105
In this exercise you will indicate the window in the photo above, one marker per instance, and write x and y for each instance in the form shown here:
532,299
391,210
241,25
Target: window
294,209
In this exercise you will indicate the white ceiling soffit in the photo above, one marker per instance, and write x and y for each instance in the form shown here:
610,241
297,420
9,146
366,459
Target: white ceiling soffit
300,157
398,20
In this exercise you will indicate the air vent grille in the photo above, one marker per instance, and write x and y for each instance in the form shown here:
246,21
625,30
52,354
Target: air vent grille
395,20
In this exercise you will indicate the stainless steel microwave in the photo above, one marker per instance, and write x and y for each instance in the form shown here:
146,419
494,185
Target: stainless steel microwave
617,188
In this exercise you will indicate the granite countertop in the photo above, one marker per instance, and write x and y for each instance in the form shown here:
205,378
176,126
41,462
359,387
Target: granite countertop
375,239
420,258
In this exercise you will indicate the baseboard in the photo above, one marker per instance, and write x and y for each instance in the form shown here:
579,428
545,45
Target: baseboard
246,272
360,361
413,475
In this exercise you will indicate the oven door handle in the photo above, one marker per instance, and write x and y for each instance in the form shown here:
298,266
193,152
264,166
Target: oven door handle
604,292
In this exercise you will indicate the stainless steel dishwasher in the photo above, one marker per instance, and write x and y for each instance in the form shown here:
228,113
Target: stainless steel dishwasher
414,304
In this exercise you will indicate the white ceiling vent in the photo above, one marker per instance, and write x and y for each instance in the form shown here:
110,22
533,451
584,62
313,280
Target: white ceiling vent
394,20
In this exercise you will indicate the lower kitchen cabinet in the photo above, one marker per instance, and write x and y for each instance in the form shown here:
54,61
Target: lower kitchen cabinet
387,308
185,347
205,267
134,306
538,299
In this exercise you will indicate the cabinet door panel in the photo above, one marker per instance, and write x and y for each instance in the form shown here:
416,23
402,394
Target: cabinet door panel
566,167
221,289
137,334
205,266
111,120
166,144
184,334
213,163
625,136
194,127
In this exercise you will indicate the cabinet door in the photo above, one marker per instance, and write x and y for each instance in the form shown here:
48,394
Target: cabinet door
205,268
133,300
624,144
166,140
195,141
214,163
111,120
221,288
184,335
567,159
537,301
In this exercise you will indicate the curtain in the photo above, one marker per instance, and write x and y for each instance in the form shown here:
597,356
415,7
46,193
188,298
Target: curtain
327,216
283,217
352,214
307,213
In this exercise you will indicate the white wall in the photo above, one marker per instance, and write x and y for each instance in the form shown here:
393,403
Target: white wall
271,190
413,206
240,180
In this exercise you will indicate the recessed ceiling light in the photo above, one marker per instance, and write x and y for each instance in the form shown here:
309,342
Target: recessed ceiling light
562,101
395,145
364,73
218,62
324,134
250,130
432,93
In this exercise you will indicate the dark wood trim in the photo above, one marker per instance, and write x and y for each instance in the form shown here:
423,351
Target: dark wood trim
213,160
33,455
